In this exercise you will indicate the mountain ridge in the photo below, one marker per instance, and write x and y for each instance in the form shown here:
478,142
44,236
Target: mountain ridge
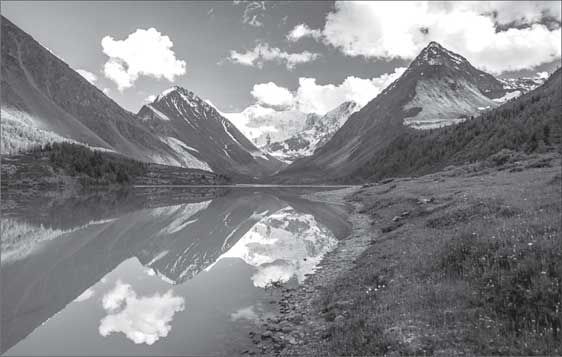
404,103
198,130
45,100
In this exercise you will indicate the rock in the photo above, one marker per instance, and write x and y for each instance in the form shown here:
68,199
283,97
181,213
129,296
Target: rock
423,200
404,214
339,318
265,335
392,227
388,180
396,218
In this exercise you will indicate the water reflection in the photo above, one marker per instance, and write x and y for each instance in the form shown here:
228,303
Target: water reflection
141,319
283,245
143,264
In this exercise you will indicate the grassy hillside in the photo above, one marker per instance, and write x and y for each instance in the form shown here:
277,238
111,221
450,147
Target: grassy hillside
464,261
531,123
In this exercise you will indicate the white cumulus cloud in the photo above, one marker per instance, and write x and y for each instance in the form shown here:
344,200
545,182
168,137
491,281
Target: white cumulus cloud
321,98
302,30
150,98
311,97
270,94
141,319
264,53
142,53
89,76
401,29
280,112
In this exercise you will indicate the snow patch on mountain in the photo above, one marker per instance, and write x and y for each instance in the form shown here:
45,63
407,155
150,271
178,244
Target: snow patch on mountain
508,96
158,113
317,131
184,154
262,125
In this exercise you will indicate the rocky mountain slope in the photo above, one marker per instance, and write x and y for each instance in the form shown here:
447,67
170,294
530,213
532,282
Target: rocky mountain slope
317,132
203,137
439,88
528,124
45,100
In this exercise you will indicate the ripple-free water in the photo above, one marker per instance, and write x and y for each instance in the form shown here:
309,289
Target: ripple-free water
153,271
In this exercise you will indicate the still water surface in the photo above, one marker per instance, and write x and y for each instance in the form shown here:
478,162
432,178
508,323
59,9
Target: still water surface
153,271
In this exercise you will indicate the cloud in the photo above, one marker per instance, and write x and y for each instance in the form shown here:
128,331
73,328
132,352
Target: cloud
270,94
253,12
282,251
246,313
150,98
264,53
317,98
301,31
90,77
142,53
141,319
401,29
280,112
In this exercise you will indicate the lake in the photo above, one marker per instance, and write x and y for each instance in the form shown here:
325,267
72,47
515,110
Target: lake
152,270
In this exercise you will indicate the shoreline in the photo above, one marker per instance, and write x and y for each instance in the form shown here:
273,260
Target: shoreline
385,289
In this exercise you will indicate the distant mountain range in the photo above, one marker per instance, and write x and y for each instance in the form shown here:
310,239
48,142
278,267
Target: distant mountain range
439,88
44,100
316,132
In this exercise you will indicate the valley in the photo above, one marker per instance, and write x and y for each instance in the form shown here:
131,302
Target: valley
414,212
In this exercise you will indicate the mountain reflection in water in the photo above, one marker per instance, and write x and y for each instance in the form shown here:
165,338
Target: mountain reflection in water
152,271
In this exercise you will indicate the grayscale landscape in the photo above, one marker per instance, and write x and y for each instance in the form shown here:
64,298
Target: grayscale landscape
212,178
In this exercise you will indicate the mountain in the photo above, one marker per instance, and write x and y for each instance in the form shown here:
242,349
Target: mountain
263,125
198,133
528,124
317,131
524,84
439,88
45,100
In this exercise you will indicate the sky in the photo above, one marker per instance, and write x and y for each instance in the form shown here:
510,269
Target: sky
278,56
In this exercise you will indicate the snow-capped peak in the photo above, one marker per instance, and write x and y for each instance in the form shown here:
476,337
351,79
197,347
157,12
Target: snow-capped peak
435,54
178,97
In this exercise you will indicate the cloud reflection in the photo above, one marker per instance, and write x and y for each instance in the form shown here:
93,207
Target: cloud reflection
284,245
141,319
